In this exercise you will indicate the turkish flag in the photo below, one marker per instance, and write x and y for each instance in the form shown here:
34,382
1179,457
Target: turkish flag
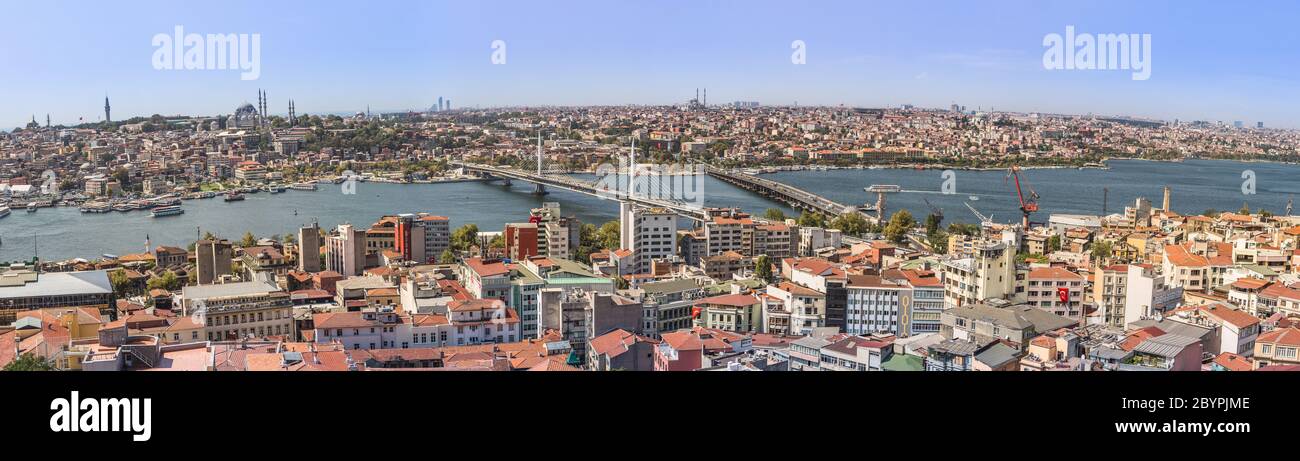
695,312
1064,294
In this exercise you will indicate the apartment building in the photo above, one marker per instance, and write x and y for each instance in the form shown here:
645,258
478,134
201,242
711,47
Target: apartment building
989,273
233,311
346,251
804,307
1278,347
651,234
1056,290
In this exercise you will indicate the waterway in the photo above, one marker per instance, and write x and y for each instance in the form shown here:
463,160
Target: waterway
1197,185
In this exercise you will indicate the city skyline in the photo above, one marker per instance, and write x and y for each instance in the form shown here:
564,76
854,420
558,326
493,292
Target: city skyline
334,60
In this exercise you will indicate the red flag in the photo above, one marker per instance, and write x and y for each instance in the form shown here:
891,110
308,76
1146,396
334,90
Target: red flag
1064,294
695,312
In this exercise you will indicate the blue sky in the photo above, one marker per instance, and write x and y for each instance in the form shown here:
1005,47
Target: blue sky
1210,60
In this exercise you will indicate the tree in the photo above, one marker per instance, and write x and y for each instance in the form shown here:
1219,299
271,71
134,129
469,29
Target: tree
608,236
29,362
969,230
464,237
807,219
1245,209
1101,250
899,224
290,239
1054,243
774,214
168,281
248,240
851,224
763,268
938,242
932,223
447,256
121,283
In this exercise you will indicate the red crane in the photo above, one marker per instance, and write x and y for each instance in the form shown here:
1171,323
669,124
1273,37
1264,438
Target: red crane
1027,204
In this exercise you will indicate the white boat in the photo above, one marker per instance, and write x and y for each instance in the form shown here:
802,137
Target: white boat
4,211
303,186
166,211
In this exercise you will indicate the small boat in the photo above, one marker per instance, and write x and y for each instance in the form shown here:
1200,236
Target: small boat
123,207
234,197
31,207
275,188
4,211
161,211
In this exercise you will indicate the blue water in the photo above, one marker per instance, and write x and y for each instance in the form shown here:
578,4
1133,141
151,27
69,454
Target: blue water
1197,185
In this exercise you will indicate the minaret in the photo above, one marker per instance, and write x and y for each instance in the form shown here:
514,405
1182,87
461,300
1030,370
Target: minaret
107,110
47,120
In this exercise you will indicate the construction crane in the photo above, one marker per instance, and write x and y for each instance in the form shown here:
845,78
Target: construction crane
985,221
1029,204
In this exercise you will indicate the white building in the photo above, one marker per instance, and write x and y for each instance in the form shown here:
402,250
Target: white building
651,234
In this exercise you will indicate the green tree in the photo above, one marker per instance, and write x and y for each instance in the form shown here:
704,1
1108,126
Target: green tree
608,236
932,223
167,281
1054,243
29,362
1245,209
851,224
121,283
774,214
899,224
763,268
248,240
447,257
1101,250
807,219
464,237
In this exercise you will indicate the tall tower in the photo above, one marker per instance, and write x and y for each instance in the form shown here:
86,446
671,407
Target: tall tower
108,117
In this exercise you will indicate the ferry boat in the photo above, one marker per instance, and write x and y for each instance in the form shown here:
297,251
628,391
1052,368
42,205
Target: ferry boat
234,197
275,188
123,207
4,211
166,211
303,186
96,207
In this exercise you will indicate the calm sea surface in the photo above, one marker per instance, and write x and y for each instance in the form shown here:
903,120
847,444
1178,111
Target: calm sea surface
65,232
